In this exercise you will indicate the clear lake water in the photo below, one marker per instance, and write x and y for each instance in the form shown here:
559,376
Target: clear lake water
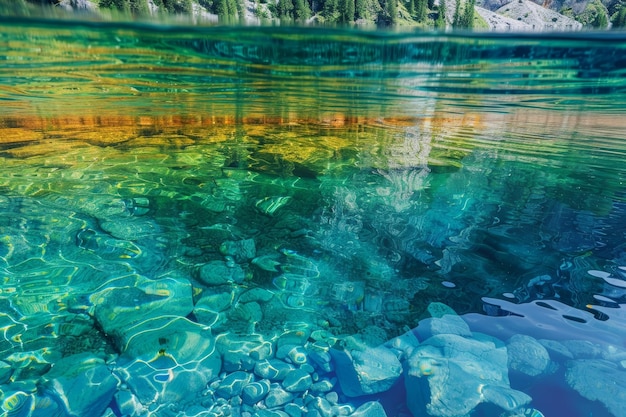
220,221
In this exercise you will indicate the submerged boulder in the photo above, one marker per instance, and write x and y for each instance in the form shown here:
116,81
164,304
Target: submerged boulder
370,409
169,361
449,375
82,383
216,273
367,370
448,324
241,250
601,380
527,355
126,305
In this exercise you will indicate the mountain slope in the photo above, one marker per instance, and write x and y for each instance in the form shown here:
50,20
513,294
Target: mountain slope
537,17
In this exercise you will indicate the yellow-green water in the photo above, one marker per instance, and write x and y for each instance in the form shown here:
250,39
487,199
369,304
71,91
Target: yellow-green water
177,204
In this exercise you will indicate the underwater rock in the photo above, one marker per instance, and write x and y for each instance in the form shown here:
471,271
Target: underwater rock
106,246
169,361
109,413
243,352
320,407
438,310
294,410
185,340
237,361
121,311
556,348
213,319
255,391
583,349
297,380
270,413
323,385
292,354
452,374
282,351
5,372
448,324
131,229
161,380
321,359
233,384
127,403
256,294
47,404
17,403
323,337
600,380
219,273
403,345
370,409
396,309
246,313
82,383
215,302
242,250
31,364
293,337
273,369
527,355
239,354
210,309
277,396
366,371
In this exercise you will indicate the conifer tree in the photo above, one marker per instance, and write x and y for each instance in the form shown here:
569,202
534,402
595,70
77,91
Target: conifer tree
619,18
302,11
285,9
457,19
421,10
440,23
121,5
226,10
601,21
347,10
233,8
360,9
468,14
240,7
464,17
330,10
140,8
392,10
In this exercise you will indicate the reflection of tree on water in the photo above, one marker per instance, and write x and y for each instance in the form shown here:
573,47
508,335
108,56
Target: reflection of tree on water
478,234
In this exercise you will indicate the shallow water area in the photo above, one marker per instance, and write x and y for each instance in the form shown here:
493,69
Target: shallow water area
303,222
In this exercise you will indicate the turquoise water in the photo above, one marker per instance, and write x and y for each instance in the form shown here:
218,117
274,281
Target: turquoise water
303,222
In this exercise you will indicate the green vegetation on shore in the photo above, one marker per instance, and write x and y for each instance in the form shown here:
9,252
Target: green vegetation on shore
437,14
